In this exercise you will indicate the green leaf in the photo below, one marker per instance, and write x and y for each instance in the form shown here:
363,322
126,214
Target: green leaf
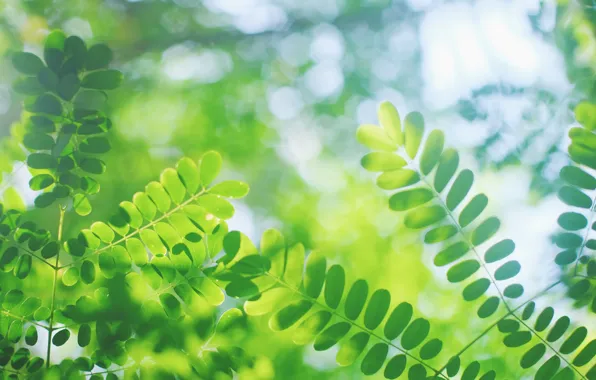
331,335
417,371
374,138
574,197
488,307
447,167
145,205
573,342
471,371
544,319
382,162
586,354
485,231
50,250
377,308
431,349
95,145
395,366
390,121
41,181
507,270
98,56
153,242
374,359
311,327
48,104
314,276
289,315
415,334
31,336
44,200
102,80
577,177
334,286
230,189
27,63
28,86
356,299
408,199
71,276
462,270
189,174
209,167
472,210
172,184
75,48
267,302
423,217
38,141
413,130
549,368
23,267
572,221
460,188
89,100
398,320
84,335
584,114
103,231
351,349
432,151
68,86
451,253
439,234
216,205
517,338
159,196
499,251
171,305
87,272
396,179
513,291
81,205
294,265
61,337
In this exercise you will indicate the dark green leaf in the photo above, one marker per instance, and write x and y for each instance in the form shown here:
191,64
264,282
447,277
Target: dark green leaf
334,286
61,337
398,320
102,80
460,188
377,308
408,199
462,270
415,333
356,299
331,335
27,63
99,56
374,359
447,166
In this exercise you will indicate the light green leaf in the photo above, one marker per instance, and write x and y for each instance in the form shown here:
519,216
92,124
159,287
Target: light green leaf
230,189
209,167
390,121
382,162
375,138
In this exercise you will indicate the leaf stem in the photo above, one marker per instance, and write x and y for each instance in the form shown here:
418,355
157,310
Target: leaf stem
334,312
137,231
54,286
488,329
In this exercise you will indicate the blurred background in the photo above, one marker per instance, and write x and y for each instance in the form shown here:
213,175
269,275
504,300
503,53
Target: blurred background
279,88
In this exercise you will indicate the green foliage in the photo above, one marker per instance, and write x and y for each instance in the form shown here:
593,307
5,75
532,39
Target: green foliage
163,290
66,129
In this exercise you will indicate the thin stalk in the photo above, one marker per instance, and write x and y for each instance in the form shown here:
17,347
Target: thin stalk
54,286
137,231
488,329
362,328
